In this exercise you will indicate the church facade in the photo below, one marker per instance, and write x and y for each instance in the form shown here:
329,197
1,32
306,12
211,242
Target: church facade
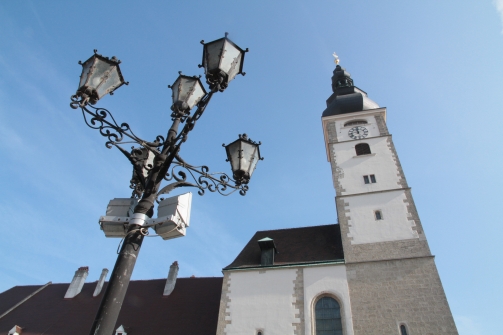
372,273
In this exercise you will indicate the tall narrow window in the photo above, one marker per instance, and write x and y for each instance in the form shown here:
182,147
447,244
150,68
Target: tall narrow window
372,178
378,215
362,149
328,317
366,179
403,330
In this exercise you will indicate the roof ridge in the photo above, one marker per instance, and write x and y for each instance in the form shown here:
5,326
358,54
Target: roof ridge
322,225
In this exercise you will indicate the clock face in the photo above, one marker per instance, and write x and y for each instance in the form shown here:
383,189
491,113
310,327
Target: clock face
357,133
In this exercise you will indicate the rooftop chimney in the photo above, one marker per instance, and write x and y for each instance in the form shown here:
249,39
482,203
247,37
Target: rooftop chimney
77,282
101,281
170,283
121,330
16,330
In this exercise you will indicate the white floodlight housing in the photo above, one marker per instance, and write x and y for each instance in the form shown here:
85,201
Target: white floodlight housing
172,221
119,210
173,216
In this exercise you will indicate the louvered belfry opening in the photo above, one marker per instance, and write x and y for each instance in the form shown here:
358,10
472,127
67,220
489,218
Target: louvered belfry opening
362,149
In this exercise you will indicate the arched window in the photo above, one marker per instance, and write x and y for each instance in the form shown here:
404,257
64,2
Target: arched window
328,317
403,330
362,149
354,122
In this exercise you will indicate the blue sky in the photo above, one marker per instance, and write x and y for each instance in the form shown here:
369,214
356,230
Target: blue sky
435,65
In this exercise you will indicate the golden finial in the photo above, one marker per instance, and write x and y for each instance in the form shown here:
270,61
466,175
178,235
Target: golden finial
336,58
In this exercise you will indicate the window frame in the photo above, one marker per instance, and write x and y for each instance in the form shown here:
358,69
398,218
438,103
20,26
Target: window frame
334,296
364,145
369,179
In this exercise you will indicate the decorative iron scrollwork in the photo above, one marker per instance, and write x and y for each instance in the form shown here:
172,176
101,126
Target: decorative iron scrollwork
103,120
214,182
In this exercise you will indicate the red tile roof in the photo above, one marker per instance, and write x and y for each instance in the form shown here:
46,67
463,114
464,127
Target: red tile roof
294,245
191,309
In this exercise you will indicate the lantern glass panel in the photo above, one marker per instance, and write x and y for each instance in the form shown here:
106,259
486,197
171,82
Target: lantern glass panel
231,60
100,67
250,157
181,89
86,67
212,55
176,88
197,94
111,82
234,154
254,158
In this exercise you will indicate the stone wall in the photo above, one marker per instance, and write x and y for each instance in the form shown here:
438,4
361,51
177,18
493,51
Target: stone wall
385,294
223,313
298,303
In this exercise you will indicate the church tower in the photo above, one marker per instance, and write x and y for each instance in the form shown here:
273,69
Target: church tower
370,274
393,282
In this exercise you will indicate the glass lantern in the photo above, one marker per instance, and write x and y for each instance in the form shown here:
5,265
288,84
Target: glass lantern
243,154
100,76
222,61
187,92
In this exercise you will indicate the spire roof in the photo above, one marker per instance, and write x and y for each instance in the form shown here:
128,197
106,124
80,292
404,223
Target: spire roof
347,98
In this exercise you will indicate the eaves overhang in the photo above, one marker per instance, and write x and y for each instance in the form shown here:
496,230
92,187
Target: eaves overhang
289,265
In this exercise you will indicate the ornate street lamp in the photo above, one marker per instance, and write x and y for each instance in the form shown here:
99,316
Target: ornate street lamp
159,160
243,154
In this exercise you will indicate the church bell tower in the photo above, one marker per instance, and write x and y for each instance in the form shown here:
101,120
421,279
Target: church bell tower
393,281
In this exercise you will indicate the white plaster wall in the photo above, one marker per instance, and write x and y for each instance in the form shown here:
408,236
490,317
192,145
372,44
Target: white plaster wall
396,224
261,301
331,280
380,163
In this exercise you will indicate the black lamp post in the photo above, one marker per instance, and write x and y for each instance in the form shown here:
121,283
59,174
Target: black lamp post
159,160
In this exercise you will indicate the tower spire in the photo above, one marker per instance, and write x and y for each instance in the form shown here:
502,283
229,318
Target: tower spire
346,97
